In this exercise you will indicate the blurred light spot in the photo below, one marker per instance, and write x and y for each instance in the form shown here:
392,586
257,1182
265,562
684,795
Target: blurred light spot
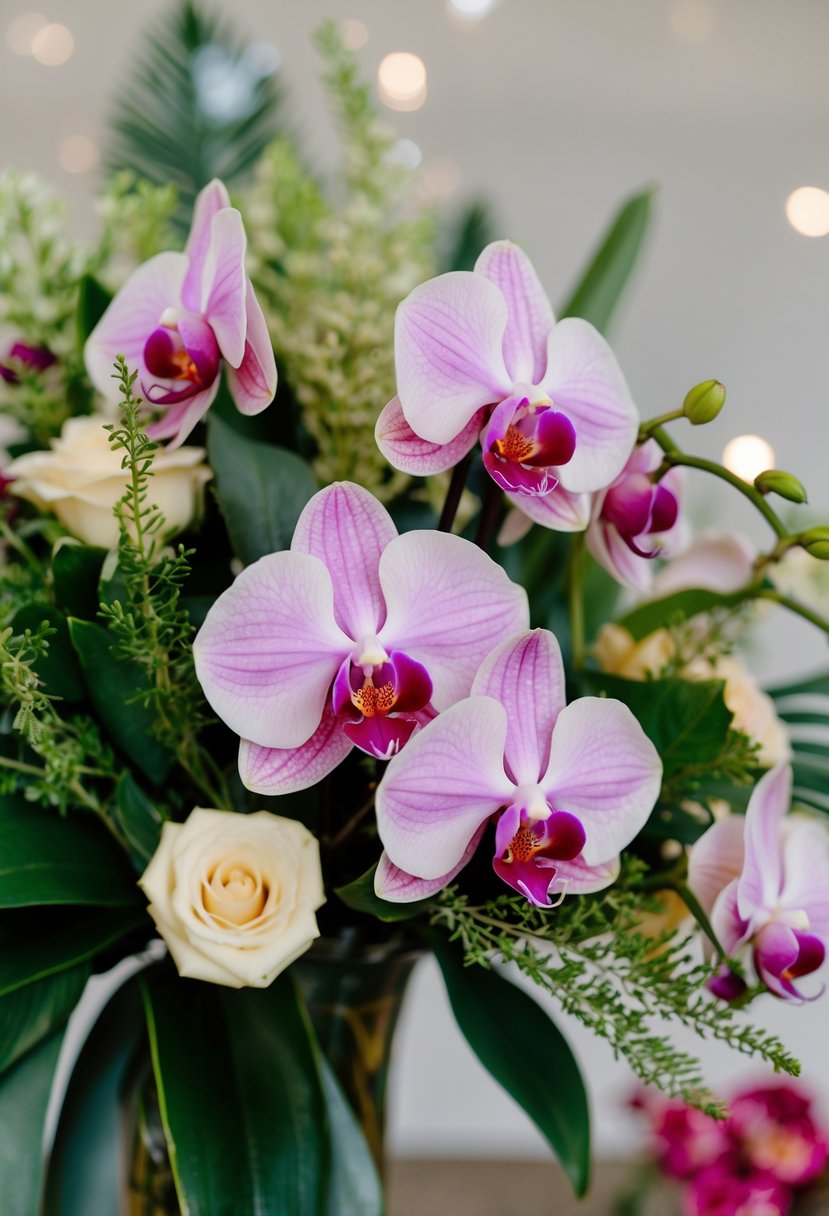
53,44
471,10
807,210
263,59
402,80
78,154
354,34
691,20
440,178
406,153
748,455
21,31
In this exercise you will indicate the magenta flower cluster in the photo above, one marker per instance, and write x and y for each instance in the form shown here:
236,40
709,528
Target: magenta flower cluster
753,1163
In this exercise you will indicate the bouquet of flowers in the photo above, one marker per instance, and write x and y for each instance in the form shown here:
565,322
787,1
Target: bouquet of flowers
303,677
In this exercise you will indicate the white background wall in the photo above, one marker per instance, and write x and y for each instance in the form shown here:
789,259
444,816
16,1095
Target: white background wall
553,110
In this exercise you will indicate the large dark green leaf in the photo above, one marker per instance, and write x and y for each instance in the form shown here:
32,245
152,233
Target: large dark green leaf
353,1185
138,819
58,668
113,683
261,490
673,610
48,859
360,896
24,1100
76,569
687,720
85,1171
31,1014
35,944
93,301
525,1052
240,1096
601,286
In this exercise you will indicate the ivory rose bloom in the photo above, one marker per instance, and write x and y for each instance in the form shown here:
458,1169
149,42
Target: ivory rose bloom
234,896
80,480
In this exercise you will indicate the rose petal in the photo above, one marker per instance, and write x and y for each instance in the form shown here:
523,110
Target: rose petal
269,649
224,285
348,530
526,675
442,787
605,770
529,315
448,606
447,344
131,318
214,197
405,450
274,771
586,383
252,384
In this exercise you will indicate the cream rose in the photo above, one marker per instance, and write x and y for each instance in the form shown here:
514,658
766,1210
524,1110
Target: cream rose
80,480
234,895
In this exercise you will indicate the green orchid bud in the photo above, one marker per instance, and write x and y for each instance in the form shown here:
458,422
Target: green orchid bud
703,402
775,481
816,542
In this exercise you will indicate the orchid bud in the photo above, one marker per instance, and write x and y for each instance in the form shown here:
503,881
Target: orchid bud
816,542
703,402
775,481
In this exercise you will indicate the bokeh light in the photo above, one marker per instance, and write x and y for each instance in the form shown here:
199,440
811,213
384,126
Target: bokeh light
21,31
354,34
78,154
807,210
748,455
470,10
53,44
402,80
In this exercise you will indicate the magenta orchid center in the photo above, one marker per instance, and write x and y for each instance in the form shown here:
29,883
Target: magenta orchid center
524,443
182,349
380,697
530,837
638,509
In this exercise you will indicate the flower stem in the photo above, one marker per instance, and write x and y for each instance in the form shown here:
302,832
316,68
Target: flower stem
454,493
653,424
575,598
488,519
793,605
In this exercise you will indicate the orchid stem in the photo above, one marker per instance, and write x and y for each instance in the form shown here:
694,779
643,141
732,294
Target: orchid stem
575,599
793,605
488,519
653,424
454,494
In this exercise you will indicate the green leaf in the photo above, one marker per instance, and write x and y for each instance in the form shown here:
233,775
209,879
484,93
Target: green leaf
262,1144
673,610
812,686
93,301
31,1014
353,1185
47,859
76,569
85,1173
24,1100
261,490
34,945
359,895
527,1054
469,233
138,819
58,669
687,720
602,284
113,684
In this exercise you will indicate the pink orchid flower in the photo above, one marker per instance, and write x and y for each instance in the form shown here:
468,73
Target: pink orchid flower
567,786
354,637
179,316
777,1133
479,355
763,880
635,520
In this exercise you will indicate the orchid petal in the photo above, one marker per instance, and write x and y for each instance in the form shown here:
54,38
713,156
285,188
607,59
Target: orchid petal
179,420
762,878
614,555
447,343
728,926
721,561
405,450
214,197
529,315
224,285
576,877
274,771
716,860
443,786
252,384
381,736
348,530
805,847
585,381
526,675
559,510
449,605
513,478
131,318
398,887
604,769
269,649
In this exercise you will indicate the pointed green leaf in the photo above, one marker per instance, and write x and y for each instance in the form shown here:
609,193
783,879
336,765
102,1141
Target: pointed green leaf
76,569
58,668
36,943
673,610
240,1097
93,301
354,1184
31,1014
360,896
261,490
527,1054
24,1100
138,819
603,283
